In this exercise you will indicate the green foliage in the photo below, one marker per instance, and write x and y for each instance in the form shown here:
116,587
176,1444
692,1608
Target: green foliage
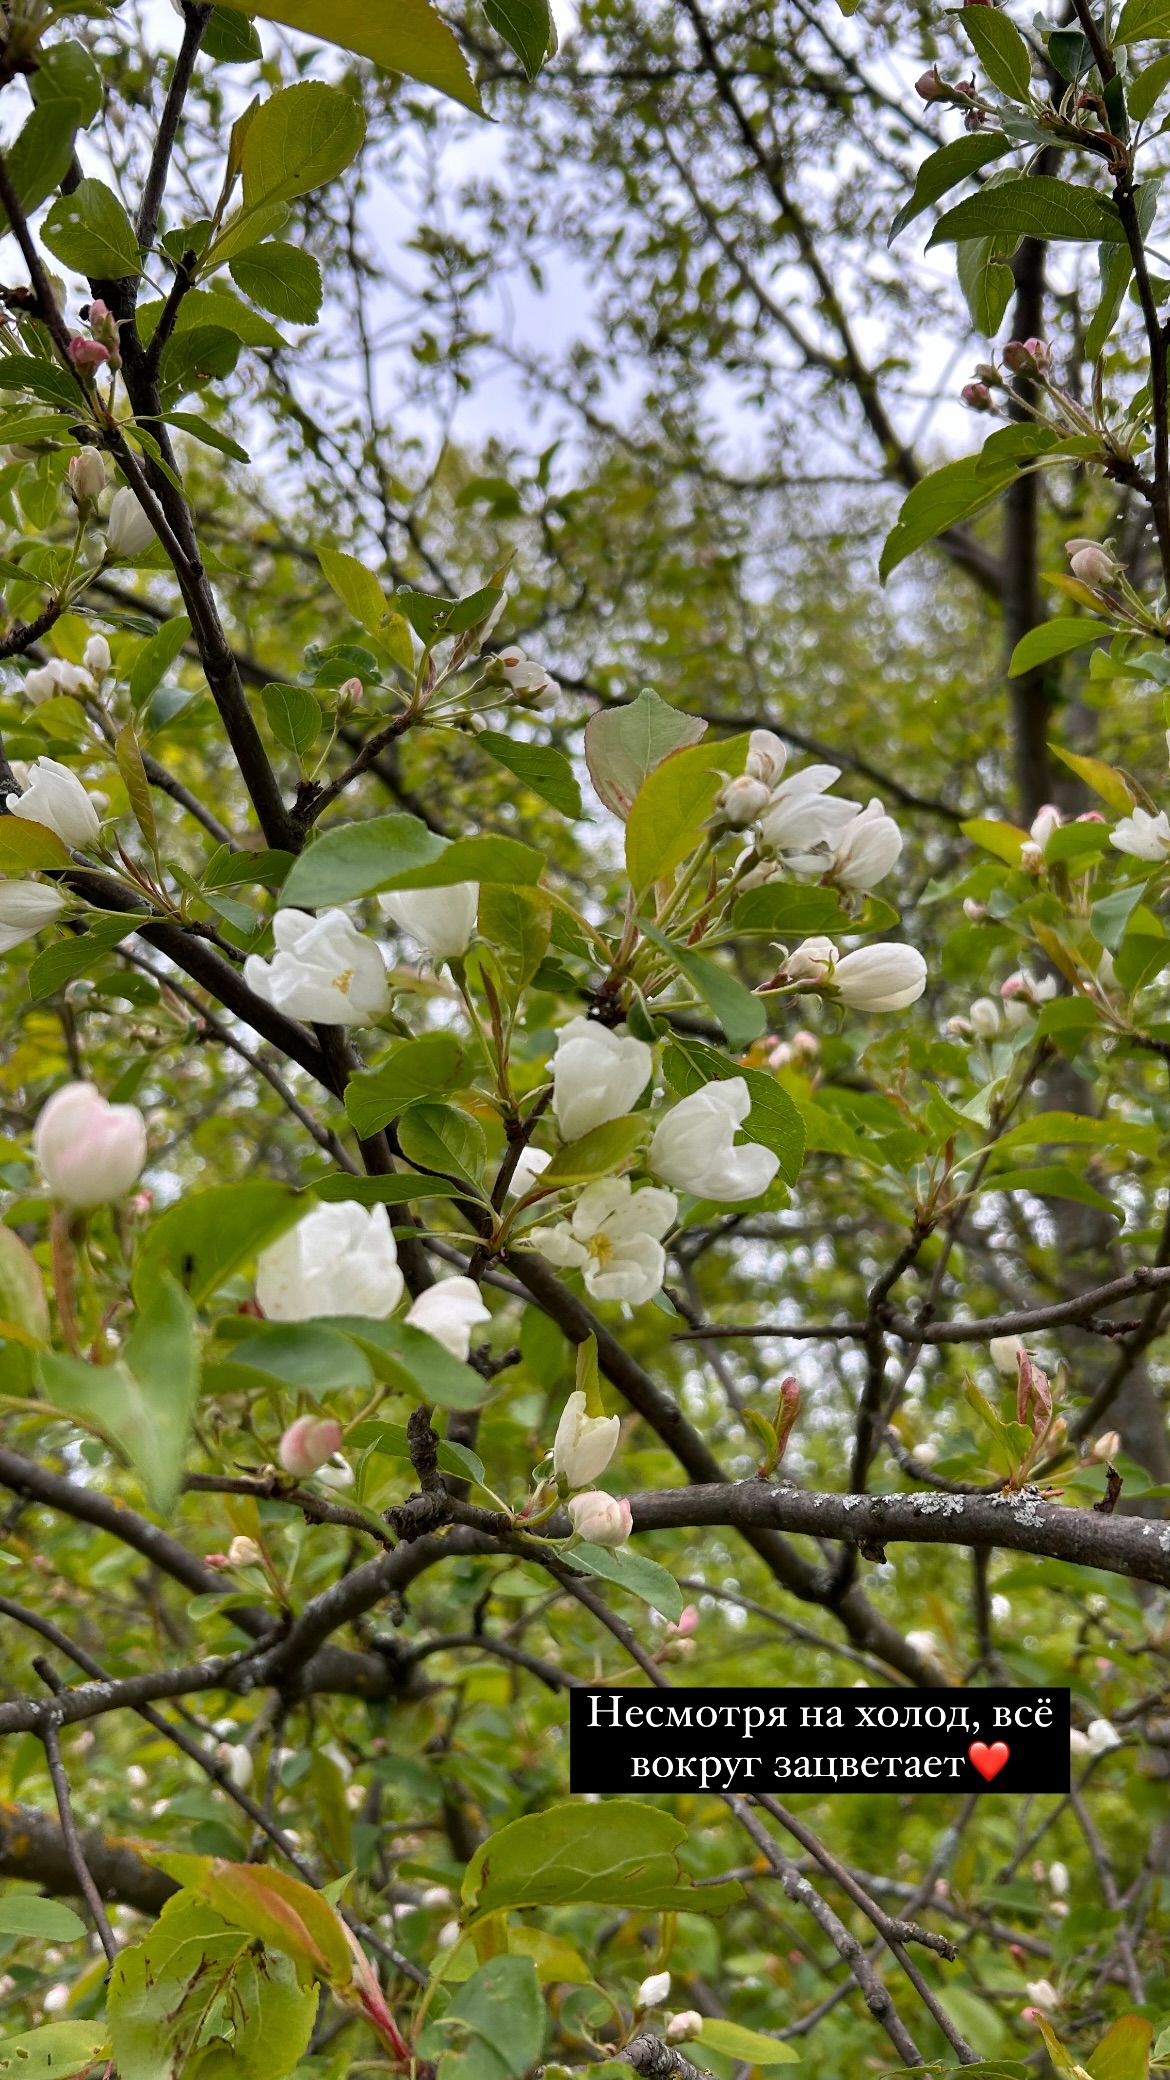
90,231
55,2052
204,1996
622,1853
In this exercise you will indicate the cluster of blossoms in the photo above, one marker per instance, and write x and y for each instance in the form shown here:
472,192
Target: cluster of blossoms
801,828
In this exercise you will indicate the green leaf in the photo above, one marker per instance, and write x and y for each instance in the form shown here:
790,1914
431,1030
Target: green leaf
300,138
40,157
1141,19
356,588
773,1121
1005,840
56,2051
944,169
68,958
66,72
208,1235
1123,2052
230,38
414,1363
621,1853
494,2027
203,430
1080,1129
143,1402
1150,82
27,1914
742,1015
1001,50
1116,275
1105,780
211,310
90,231
672,805
1110,915
441,1139
294,716
732,2040
600,1153
26,846
405,36
390,1441
308,1356
133,773
632,1571
526,27
1053,639
1036,206
156,657
1051,1181
388,852
381,1191
948,495
195,1987
986,280
518,923
623,746
785,906
282,279
43,378
412,1069
547,772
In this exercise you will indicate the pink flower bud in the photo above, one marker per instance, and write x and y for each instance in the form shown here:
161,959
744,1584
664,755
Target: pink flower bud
89,1152
1041,353
1046,820
308,1444
974,912
1090,561
87,353
931,88
1105,1447
87,476
600,1519
976,396
689,1621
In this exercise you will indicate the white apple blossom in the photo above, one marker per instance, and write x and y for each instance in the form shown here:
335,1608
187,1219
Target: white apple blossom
448,1311
1143,836
802,817
323,970
1090,561
1046,820
766,758
96,656
1043,1994
615,1238
865,850
529,1167
26,907
55,797
811,961
1102,1735
1006,1352
128,531
880,978
441,920
604,1520
584,1444
654,1990
89,1152
598,1075
56,677
1022,993
694,1147
742,800
984,1017
340,1259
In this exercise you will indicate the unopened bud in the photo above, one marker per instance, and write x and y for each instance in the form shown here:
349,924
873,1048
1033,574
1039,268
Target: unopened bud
87,477
1106,1447
244,1552
1091,562
349,697
974,912
931,88
87,354
976,396
742,800
786,1413
688,2024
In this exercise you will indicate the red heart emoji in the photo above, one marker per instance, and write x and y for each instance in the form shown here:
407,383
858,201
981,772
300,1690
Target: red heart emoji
989,1761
